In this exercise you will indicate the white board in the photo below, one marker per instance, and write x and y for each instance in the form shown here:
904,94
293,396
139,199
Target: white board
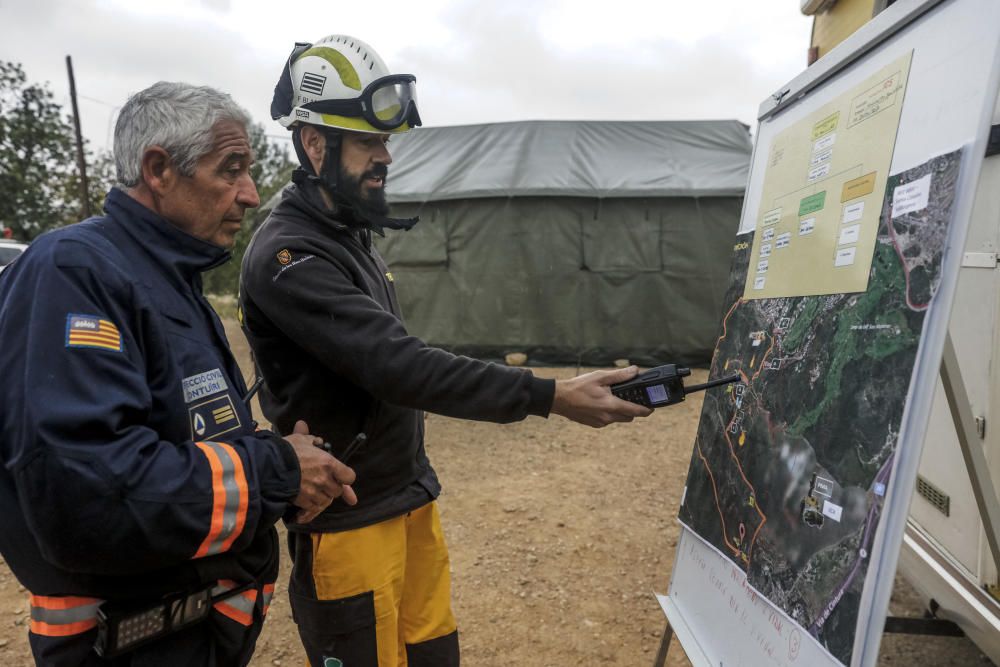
952,87
722,621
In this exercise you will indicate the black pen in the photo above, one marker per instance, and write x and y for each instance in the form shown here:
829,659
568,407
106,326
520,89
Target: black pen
359,440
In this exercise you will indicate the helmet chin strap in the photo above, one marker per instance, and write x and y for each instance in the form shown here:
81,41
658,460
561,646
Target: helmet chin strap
331,161
327,176
300,151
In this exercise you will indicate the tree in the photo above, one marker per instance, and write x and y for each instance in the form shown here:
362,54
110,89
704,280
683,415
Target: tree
101,177
271,171
39,183
272,167
36,157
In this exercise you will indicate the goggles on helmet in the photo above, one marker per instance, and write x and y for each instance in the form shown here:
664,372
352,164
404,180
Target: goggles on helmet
386,103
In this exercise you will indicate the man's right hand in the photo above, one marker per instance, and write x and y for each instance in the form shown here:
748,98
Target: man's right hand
587,399
324,478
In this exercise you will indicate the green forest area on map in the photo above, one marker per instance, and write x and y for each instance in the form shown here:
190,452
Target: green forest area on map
790,466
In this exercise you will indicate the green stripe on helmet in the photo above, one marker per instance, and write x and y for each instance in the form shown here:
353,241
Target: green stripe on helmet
348,75
358,124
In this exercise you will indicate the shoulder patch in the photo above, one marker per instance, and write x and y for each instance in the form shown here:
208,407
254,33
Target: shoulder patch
92,331
284,257
204,384
290,264
213,417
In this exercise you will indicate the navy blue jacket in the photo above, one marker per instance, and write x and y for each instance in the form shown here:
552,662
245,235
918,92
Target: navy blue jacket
131,466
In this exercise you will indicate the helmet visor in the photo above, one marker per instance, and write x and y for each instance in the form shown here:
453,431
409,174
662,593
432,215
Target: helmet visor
386,104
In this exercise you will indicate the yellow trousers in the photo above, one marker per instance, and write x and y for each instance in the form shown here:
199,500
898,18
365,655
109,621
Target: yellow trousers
378,596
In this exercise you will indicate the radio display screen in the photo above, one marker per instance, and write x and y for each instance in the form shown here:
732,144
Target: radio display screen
657,393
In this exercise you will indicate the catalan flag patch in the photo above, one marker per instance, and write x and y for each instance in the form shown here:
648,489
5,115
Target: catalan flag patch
92,331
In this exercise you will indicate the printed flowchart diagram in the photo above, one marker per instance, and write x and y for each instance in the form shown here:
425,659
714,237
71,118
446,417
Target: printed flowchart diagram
823,191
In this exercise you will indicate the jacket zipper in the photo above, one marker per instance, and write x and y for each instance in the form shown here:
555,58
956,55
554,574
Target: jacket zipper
383,280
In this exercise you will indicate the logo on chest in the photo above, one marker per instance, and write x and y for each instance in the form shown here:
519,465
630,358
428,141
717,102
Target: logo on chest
203,385
213,417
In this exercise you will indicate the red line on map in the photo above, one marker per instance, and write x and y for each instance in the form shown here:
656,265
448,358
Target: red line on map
753,540
739,466
725,322
718,507
732,450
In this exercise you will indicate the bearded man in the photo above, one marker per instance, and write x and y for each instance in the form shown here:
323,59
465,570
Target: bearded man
370,583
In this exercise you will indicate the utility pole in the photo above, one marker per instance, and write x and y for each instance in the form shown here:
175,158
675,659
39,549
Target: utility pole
81,162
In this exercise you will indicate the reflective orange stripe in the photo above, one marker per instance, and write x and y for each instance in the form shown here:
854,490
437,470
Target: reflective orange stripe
62,616
62,630
230,498
240,617
241,484
59,602
268,594
218,497
239,607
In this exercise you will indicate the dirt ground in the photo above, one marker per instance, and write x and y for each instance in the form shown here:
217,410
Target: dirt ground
558,534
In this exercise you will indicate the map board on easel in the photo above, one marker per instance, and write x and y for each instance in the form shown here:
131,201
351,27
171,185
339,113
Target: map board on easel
842,281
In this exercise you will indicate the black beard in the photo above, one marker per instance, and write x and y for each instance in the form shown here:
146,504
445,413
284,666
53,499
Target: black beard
374,202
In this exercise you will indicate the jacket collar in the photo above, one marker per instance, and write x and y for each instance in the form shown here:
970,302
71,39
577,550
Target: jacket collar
305,198
174,249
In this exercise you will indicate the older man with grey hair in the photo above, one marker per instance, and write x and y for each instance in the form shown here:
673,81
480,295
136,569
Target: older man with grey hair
139,498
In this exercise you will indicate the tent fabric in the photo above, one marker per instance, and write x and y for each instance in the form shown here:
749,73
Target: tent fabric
594,159
566,280
574,242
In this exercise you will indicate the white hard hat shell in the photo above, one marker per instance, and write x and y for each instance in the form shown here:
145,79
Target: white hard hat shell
337,67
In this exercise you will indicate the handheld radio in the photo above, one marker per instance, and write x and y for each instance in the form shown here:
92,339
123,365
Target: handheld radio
663,385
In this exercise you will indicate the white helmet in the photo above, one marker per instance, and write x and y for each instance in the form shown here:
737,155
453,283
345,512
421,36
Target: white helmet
340,82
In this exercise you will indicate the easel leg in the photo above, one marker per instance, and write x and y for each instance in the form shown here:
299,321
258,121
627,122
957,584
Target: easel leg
661,655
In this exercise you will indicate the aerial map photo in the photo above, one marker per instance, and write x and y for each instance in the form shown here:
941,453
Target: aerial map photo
791,465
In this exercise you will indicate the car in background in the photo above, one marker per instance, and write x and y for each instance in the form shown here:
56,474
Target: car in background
9,251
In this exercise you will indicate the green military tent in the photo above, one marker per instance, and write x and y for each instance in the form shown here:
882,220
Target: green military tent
572,241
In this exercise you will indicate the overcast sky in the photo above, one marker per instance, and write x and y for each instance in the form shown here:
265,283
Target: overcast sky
475,61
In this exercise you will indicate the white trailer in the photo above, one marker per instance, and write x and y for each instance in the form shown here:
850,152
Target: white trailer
947,555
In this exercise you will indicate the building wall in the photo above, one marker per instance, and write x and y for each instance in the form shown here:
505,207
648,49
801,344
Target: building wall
834,26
